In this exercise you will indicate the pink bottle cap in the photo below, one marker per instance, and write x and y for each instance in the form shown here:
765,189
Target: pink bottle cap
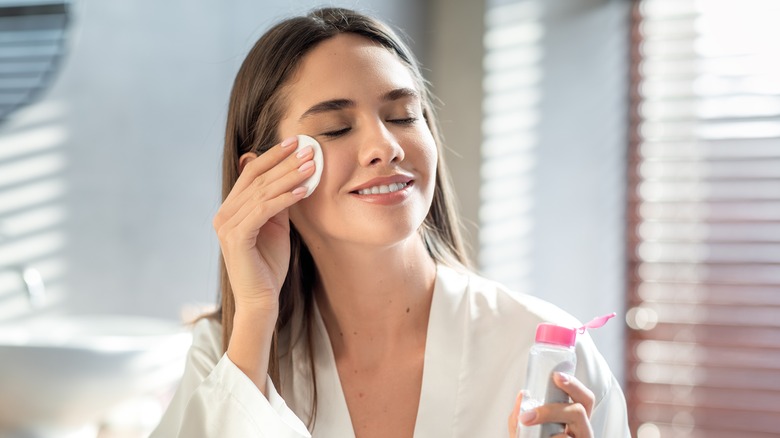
565,336
555,334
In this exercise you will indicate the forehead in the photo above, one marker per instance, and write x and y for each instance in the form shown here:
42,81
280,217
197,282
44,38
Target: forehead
346,66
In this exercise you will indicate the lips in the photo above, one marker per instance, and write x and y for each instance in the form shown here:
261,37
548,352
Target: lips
382,189
382,185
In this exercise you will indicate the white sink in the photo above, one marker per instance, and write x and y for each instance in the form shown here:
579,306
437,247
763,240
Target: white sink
61,374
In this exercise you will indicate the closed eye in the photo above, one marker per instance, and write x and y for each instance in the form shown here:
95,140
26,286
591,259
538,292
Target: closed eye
336,133
406,121
340,132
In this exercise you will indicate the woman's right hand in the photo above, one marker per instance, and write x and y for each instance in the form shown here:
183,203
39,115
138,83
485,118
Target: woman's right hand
253,223
254,233
575,415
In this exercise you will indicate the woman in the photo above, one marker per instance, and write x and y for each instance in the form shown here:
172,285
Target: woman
351,312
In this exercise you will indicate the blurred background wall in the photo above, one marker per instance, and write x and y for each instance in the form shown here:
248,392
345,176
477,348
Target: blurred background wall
540,172
124,149
127,143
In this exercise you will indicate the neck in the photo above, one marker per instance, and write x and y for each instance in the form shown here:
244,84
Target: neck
377,301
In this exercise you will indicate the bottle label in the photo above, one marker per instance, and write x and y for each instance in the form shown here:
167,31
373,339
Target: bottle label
544,391
556,395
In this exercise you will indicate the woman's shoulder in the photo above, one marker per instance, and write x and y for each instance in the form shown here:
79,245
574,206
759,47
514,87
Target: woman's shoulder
493,300
502,323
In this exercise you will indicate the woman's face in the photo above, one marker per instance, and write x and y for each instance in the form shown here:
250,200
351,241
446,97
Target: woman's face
363,106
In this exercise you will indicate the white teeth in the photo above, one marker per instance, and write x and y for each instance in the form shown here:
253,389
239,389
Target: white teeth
394,187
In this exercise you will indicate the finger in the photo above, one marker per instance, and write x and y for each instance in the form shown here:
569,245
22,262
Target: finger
513,416
243,227
259,193
257,174
578,392
287,165
234,212
284,177
573,415
568,433
263,163
261,214
579,430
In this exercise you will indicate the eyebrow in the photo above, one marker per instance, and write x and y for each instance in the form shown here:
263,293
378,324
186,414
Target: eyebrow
400,93
340,104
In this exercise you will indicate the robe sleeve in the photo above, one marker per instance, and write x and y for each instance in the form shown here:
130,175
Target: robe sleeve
608,418
216,399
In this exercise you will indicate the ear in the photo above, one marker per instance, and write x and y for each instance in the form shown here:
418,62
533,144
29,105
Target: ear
244,160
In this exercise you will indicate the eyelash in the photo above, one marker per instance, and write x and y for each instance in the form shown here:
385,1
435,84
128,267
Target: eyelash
336,133
406,121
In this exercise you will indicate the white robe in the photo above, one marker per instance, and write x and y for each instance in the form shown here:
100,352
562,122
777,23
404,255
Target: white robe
479,336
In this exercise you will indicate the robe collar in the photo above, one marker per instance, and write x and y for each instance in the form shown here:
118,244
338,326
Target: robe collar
442,366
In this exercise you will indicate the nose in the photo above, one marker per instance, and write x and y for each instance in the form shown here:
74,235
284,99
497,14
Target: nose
379,146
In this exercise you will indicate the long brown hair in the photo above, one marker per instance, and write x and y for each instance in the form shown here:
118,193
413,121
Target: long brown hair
256,107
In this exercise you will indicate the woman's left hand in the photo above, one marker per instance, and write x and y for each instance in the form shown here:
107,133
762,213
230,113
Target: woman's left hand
575,415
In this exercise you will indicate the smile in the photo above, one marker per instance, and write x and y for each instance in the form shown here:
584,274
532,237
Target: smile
381,189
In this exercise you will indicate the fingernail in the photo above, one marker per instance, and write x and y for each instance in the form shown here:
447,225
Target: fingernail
289,141
299,191
528,417
304,152
564,377
306,166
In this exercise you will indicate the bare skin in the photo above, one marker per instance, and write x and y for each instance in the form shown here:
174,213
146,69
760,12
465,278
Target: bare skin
376,275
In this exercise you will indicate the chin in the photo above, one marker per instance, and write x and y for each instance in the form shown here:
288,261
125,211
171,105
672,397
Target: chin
383,233
389,236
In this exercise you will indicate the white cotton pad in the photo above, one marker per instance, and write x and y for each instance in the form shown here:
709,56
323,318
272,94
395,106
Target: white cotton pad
314,180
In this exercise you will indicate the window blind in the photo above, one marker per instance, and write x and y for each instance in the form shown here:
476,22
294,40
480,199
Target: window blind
32,38
513,71
704,219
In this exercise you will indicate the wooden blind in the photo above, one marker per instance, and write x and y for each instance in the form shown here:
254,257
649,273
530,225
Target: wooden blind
704,219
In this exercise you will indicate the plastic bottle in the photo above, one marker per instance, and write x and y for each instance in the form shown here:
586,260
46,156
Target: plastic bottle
553,352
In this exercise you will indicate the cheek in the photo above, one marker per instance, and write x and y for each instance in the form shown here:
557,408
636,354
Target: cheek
334,173
428,154
433,157
336,169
